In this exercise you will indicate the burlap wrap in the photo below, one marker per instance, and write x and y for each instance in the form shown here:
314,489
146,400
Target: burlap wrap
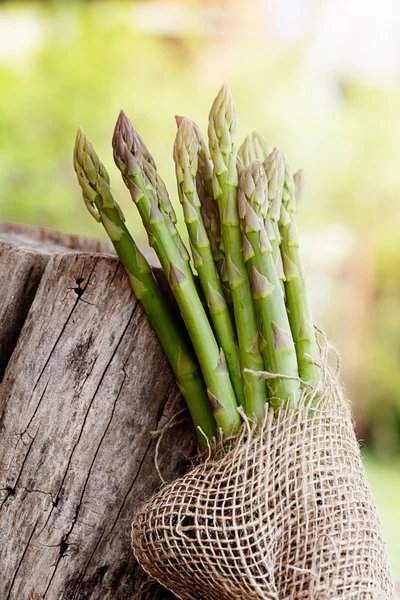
286,514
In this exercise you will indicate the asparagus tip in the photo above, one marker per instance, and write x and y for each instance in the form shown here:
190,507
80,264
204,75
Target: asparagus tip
299,184
78,148
92,176
123,127
127,146
86,161
80,133
222,110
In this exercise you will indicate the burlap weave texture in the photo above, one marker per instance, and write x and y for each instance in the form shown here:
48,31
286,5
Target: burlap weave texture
286,514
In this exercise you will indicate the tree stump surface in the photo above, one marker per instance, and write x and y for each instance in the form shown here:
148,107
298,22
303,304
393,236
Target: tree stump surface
84,383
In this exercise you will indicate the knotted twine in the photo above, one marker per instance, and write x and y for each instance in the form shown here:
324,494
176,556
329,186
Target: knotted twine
286,513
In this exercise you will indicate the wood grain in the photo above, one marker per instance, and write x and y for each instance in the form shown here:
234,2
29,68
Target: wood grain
85,385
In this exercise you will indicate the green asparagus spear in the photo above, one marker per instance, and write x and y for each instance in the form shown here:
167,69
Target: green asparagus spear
209,208
297,298
221,133
128,158
95,183
277,345
186,153
156,187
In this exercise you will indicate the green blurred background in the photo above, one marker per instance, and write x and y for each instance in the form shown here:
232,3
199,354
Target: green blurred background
320,79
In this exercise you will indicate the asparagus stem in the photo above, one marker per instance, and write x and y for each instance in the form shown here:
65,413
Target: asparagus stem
128,158
157,189
186,152
221,132
297,298
277,345
95,183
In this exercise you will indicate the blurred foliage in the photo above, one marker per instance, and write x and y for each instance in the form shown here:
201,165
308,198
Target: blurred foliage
384,375
94,60
384,478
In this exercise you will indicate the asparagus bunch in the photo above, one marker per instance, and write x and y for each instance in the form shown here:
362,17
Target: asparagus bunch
128,156
95,183
239,209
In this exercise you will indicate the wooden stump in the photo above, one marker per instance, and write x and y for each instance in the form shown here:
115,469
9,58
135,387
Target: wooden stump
84,384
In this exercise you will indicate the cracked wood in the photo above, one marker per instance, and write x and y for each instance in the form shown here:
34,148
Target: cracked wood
85,384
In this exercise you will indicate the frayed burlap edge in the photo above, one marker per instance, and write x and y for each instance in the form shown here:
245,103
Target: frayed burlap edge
286,513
